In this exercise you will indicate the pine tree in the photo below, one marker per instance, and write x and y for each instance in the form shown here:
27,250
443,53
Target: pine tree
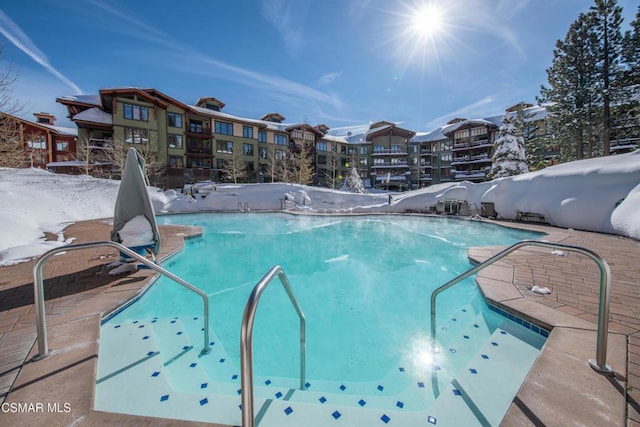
626,125
571,97
509,157
354,183
607,21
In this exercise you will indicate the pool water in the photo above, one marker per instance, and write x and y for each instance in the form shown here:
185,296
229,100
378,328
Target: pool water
364,284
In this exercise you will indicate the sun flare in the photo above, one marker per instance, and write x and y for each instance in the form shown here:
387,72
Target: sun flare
428,20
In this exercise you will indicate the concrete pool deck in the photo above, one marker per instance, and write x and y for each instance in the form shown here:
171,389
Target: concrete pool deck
561,389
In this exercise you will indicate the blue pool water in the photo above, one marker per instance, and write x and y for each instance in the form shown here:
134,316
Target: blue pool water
364,284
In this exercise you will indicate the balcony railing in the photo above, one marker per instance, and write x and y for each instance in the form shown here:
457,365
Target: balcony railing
399,152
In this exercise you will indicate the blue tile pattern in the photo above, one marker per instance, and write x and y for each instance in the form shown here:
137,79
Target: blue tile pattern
343,387
361,402
164,398
385,419
204,401
322,399
535,328
204,385
380,388
431,420
473,371
336,415
457,392
155,374
288,410
400,404
420,384
278,395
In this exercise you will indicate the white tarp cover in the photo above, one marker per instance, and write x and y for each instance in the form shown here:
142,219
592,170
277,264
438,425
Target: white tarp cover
131,203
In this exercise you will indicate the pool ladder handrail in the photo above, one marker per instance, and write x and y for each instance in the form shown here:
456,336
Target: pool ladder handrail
38,292
600,362
246,340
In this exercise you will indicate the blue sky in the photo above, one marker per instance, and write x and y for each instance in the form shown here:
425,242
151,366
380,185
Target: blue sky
339,62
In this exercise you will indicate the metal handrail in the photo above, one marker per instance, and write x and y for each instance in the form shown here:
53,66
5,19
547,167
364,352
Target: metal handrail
600,363
38,291
246,340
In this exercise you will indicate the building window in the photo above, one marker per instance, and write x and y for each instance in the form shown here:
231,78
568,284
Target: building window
247,131
136,136
224,128
62,146
321,146
364,150
263,153
378,161
280,139
38,142
279,155
247,149
175,140
262,136
225,147
322,160
136,112
195,126
174,120
378,148
364,162
176,162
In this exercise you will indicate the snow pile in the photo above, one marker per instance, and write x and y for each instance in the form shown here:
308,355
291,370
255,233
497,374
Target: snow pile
601,195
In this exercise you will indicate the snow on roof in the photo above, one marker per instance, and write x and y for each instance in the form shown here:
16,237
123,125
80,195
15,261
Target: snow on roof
84,99
62,130
94,115
269,125
333,138
434,135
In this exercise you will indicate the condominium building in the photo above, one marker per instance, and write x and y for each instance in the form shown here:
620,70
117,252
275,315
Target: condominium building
202,142
44,142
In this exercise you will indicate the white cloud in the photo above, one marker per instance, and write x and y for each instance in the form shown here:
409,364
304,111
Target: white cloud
329,78
288,18
18,38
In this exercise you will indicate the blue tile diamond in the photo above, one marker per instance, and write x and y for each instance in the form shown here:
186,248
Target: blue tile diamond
204,385
155,374
146,337
234,377
343,387
421,384
193,365
457,392
362,402
322,399
380,388
267,382
431,420
473,371
400,404
484,356
307,385
204,401
495,344
288,410
278,395
336,415
385,419
164,398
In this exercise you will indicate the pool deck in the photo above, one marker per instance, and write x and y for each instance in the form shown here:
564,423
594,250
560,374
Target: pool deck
561,389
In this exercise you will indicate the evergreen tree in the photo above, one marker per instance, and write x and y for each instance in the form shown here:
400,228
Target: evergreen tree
627,113
353,183
509,157
571,96
607,20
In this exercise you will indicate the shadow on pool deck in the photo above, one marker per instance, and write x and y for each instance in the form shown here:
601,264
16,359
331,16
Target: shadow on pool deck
561,389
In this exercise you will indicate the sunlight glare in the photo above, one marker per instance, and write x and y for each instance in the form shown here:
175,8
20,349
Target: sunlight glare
428,20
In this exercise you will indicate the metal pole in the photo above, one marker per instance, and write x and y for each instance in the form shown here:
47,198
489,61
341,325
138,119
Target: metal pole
246,340
38,291
600,364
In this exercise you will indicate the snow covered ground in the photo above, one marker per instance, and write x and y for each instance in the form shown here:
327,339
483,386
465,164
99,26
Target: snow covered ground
600,195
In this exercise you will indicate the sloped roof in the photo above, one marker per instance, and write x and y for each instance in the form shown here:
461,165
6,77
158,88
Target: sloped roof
94,115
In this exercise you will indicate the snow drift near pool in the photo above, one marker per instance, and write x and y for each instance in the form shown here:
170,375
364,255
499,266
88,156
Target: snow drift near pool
601,195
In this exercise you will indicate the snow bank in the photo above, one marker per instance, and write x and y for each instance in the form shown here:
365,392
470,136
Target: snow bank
600,195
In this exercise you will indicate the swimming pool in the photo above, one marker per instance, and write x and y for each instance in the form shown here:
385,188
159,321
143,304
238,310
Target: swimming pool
364,284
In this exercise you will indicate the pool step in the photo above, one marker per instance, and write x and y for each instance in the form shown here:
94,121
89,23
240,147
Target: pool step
485,388
163,373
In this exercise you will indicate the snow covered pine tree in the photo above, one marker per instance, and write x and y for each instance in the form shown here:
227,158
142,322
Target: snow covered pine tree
509,157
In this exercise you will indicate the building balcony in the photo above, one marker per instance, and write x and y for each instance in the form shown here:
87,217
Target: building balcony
403,165
199,153
389,152
202,134
426,177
